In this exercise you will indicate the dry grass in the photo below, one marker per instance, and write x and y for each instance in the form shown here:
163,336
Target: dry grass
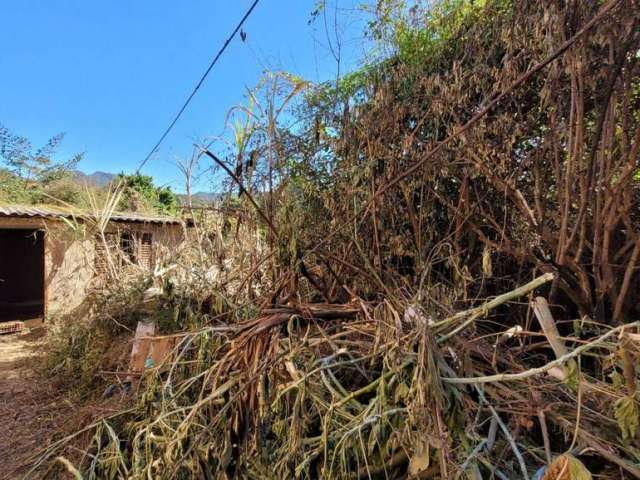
366,308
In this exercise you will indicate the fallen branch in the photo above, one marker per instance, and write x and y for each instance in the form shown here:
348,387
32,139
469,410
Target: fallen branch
506,377
483,309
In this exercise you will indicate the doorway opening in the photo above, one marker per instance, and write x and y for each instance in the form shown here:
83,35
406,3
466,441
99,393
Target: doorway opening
21,274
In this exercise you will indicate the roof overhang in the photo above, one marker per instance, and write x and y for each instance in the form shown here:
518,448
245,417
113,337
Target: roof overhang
24,211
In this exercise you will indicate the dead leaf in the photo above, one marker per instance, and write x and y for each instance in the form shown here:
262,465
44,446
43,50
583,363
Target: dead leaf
567,467
420,459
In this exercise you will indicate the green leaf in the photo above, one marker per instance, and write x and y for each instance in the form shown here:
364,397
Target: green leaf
627,414
573,379
401,392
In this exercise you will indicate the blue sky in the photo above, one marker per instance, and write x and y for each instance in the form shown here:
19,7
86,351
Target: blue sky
111,74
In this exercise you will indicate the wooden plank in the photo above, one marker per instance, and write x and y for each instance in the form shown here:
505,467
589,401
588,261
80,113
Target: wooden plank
141,345
161,349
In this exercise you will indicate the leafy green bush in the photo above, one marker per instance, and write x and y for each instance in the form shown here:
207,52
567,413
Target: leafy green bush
141,194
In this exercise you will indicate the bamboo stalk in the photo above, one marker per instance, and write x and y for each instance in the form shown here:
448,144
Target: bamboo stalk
507,377
483,309
548,324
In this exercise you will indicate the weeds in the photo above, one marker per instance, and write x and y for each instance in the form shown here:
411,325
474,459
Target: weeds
365,308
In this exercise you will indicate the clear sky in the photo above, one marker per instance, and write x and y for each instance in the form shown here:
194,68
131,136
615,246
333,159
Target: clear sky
112,74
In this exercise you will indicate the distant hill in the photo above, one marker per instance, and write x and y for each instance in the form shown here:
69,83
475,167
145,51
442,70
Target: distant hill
102,179
201,198
99,179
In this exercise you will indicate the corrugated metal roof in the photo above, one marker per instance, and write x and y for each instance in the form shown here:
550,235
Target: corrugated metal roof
53,212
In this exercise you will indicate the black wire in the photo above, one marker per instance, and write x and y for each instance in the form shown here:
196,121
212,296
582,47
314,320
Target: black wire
199,84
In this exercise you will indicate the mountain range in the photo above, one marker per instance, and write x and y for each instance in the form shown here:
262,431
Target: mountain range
102,179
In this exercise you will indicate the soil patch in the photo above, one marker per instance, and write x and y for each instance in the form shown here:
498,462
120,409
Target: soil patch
34,411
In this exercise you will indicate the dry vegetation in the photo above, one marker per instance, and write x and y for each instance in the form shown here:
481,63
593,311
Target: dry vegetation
431,272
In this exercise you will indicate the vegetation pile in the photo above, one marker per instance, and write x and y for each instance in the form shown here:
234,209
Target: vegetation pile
431,270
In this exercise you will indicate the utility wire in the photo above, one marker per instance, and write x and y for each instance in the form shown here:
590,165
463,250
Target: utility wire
199,84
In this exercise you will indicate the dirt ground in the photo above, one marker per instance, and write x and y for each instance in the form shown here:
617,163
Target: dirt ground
25,414
33,411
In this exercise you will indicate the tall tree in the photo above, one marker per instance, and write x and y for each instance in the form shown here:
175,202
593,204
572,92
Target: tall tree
34,165
140,193
32,176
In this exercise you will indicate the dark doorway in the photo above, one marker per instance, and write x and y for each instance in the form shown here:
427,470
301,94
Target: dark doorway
21,274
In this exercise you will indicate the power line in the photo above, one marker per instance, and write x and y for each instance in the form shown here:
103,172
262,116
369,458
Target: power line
199,84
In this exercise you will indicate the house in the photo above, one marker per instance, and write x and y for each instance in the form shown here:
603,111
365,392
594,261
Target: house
51,258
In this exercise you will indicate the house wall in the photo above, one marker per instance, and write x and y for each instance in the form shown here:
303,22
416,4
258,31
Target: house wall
70,256
165,237
69,275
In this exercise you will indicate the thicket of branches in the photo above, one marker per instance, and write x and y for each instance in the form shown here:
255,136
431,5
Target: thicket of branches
545,180
498,143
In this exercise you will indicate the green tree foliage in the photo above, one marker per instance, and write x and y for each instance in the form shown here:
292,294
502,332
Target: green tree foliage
35,176
30,175
140,194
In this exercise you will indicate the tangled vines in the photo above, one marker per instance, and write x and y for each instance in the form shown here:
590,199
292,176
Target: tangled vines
496,160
